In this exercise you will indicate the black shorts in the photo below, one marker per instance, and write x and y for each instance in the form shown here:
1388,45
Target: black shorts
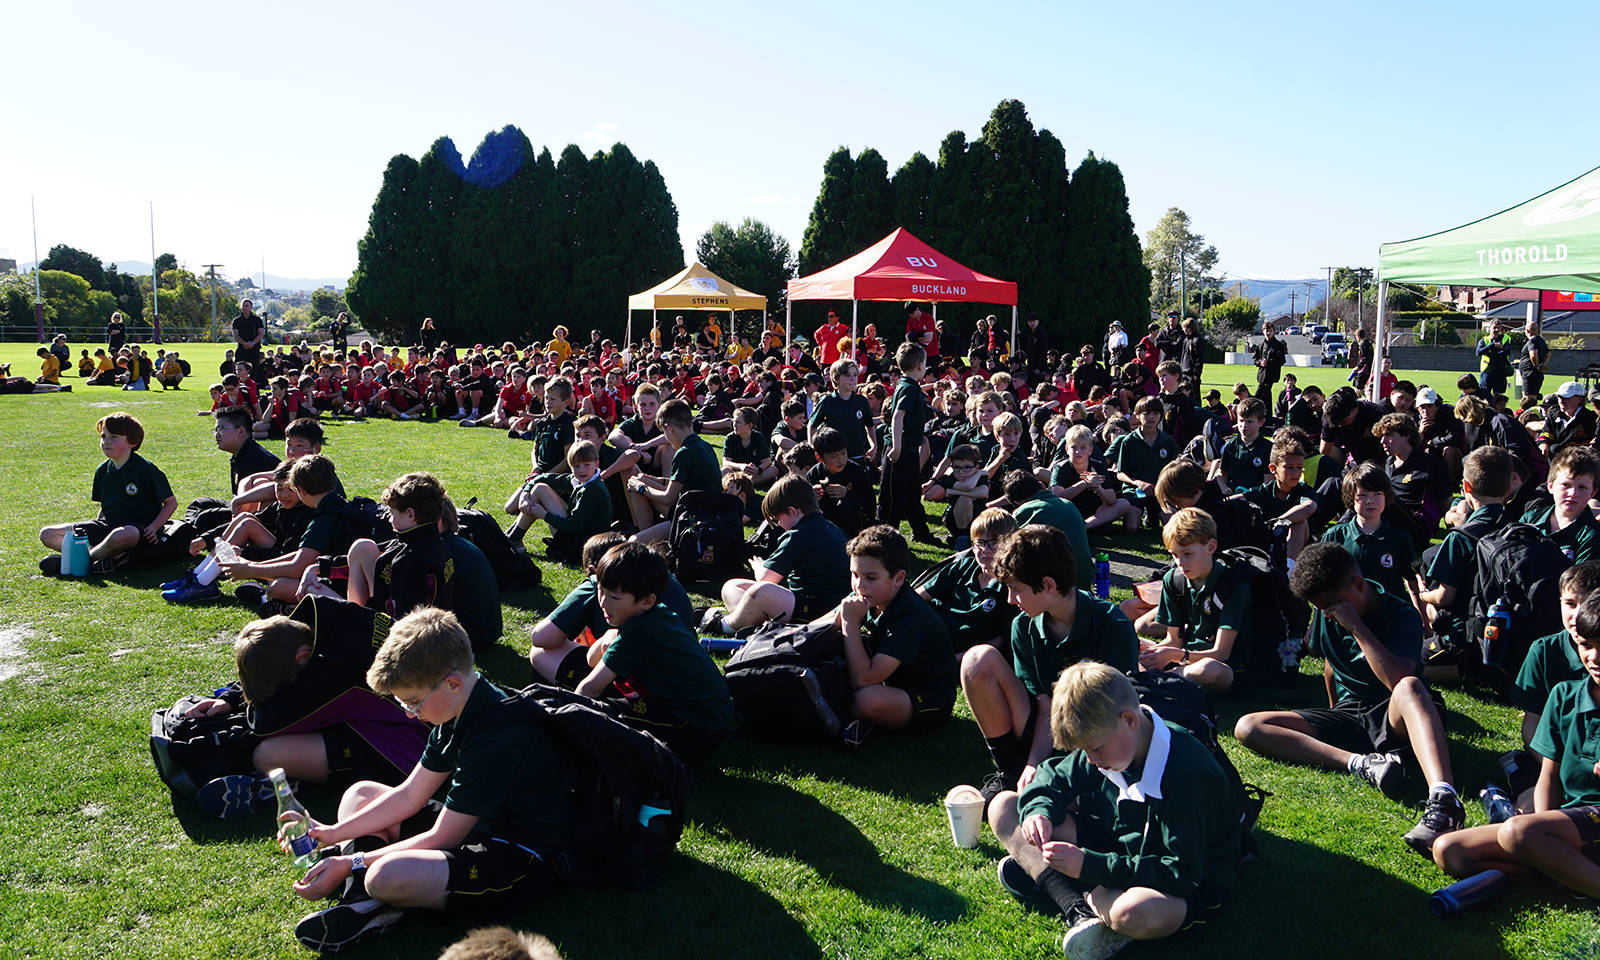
929,709
486,872
352,758
693,744
1360,727
98,529
810,606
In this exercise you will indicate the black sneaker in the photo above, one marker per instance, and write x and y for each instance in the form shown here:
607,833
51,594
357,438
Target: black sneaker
996,784
1386,771
250,594
273,608
1442,814
107,565
51,566
236,795
1015,881
342,927
854,733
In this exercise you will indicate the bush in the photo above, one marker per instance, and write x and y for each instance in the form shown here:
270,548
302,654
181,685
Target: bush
1437,333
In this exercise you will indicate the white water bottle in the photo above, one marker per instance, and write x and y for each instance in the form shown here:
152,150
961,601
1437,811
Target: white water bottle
225,552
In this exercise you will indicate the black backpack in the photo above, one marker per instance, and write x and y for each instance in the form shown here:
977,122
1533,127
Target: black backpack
1262,664
191,751
1184,703
789,682
707,541
628,788
368,520
1517,563
513,570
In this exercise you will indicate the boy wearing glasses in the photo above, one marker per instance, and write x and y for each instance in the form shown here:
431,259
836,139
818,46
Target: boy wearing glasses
964,592
506,805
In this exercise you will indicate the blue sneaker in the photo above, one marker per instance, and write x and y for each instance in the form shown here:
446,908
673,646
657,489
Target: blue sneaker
855,733
236,795
176,584
193,592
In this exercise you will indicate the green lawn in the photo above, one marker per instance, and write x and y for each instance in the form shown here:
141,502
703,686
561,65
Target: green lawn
793,852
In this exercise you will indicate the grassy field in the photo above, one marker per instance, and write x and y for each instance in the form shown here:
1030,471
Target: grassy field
792,852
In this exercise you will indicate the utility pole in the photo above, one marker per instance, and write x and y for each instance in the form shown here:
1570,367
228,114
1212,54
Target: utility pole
1327,305
1183,287
211,271
1292,295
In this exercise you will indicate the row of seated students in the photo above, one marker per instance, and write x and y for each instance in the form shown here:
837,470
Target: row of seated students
1381,711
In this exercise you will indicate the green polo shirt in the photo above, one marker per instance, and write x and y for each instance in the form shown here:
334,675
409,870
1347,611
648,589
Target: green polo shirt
1550,660
969,433
695,466
329,532
477,607
811,559
1244,465
1194,611
132,494
908,396
908,630
1569,734
581,608
757,450
1099,631
1579,540
1384,555
973,612
1130,454
1182,842
551,438
660,657
588,509
508,775
852,417
1395,623
1052,511
1274,504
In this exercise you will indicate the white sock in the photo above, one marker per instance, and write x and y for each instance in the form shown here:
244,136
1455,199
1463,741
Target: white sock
208,571
1441,785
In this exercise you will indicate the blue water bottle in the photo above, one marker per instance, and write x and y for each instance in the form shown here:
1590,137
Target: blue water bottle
75,554
1497,804
1496,633
721,644
1102,576
1464,894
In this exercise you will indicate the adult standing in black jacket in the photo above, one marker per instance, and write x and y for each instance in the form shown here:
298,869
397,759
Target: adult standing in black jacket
1170,339
248,332
1034,344
1535,356
1269,355
1192,356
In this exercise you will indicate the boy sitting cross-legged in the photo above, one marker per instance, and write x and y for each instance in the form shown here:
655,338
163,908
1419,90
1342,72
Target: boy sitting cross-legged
1379,708
843,488
412,570
506,806
1206,641
804,577
1132,834
678,694
964,486
575,504
1486,483
1561,838
1059,625
897,651
327,533
694,467
1242,464
1285,497
135,500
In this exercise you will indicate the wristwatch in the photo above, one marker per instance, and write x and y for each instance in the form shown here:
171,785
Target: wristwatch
358,861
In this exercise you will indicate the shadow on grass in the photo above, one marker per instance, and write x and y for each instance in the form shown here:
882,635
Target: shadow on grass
745,810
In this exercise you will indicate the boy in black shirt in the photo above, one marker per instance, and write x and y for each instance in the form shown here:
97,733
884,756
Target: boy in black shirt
135,500
748,450
246,457
845,411
897,651
900,496
414,569
843,489
328,533
804,576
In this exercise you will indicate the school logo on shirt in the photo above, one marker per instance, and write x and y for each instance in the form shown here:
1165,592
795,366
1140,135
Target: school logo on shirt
1162,452
860,415
988,605
131,489
1386,561
1258,461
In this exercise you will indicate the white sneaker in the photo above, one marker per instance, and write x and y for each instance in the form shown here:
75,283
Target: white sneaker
1091,939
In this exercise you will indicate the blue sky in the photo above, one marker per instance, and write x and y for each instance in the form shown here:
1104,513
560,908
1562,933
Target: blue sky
1295,136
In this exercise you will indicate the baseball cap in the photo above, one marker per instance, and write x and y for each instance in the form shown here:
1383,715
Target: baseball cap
1426,396
1571,388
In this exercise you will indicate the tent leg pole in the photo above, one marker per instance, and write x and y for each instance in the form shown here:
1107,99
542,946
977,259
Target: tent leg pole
1013,350
1380,346
855,308
788,327
627,341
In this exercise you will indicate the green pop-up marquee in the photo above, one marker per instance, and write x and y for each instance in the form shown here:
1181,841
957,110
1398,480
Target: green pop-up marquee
1551,242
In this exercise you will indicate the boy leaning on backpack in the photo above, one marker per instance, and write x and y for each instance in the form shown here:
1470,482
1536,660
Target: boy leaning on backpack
1132,833
505,806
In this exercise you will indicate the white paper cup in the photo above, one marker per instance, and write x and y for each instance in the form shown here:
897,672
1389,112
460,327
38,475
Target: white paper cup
964,806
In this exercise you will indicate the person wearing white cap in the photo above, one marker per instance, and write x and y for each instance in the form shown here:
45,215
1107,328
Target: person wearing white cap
1570,421
1441,431
1116,345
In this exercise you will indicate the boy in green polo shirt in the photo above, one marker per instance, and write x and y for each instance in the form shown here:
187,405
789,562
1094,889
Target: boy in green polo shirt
964,591
1032,503
1206,641
135,500
1569,522
1243,461
1131,833
694,467
896,649
1379,708
1138,457
681,697
804,577
575,504
1561,838
1485,484
900,494
507,803
552,433
1384,552
1059,625
847,412
1286,497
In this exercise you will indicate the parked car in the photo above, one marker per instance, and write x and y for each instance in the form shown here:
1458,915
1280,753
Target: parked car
1335,351
1317,331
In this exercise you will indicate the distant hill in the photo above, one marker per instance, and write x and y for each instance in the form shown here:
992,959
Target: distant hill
1274,294
141,268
